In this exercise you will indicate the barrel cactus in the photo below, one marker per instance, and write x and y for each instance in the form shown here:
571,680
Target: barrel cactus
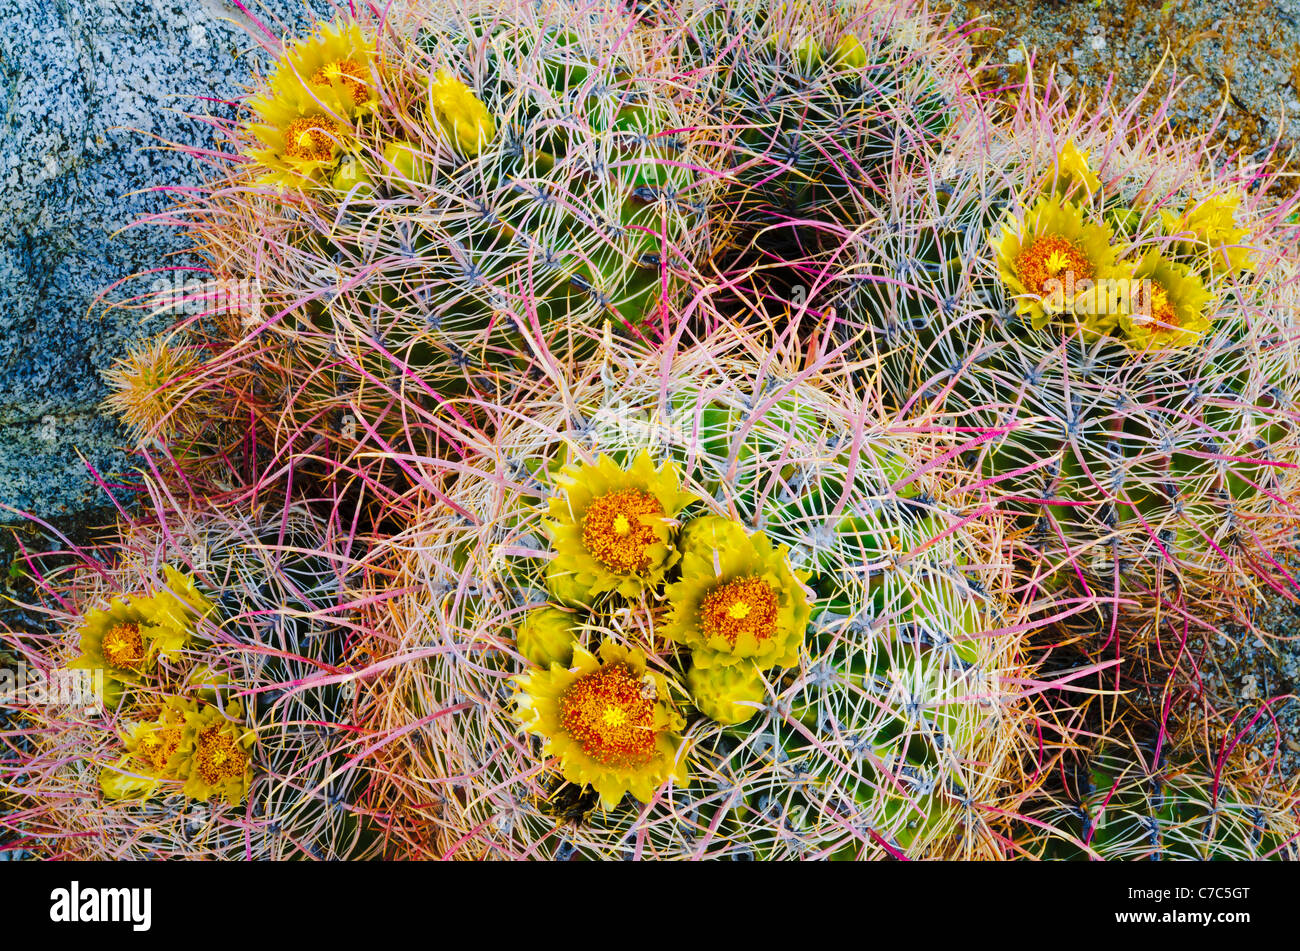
813,96
432,205
193,696
698,605
1115,311
1159,797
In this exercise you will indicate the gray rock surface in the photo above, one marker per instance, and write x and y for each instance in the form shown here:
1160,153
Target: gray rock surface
86,83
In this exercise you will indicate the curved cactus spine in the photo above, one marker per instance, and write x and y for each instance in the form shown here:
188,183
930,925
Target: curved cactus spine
895,728
810,106
231,737
1148,792
1140,450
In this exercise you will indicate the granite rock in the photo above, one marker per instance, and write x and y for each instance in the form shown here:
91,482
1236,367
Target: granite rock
89,87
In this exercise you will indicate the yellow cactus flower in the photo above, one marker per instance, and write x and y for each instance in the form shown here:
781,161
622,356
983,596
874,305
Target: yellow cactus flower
300,141
1167,305
119,640
216,754
154,750
610,722
1050,256
336,65
156,744
738,601
1208,228
613,529
461,115
1072,175
175,610
128,779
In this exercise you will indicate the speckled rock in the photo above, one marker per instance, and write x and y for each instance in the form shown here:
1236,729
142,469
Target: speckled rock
1239,57
86,84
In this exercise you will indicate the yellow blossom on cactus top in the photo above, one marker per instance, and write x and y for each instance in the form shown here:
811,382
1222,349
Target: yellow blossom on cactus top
1209,228
156,743
610,722
299,141
336,65
1167,305
1072,174
1047,258
460,114
612,529
176,608
120,640
154,750
127,778
738,601
216,754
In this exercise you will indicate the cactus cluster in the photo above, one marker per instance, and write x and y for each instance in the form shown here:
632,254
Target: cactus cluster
710,430
211,718
821,656
1117,314
470,195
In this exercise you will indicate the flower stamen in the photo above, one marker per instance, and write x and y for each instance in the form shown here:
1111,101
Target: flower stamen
745,606
310,139
1048,258
218,756
348,72
617,529
607,714
123,646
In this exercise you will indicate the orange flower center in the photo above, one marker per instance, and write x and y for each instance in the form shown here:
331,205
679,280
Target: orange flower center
157,748
218,756
608,713
618,529
745,606
351,74
310,140
123,646
1158,311
1050,258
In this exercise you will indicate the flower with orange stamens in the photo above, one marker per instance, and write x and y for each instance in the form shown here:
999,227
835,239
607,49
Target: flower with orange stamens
1050,257
1166,307
152,754
336,65
216,758
737,601
610,722
120,641
299,141
613,529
